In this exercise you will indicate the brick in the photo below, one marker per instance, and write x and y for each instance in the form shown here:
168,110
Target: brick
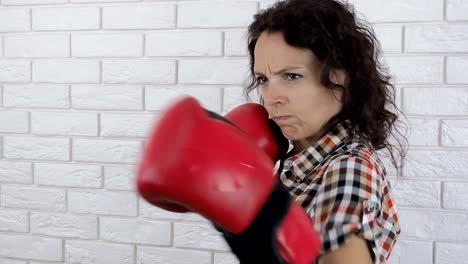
455,195
148,210
65,18
64,123
264,4
457,10
45,199
36,148
434,225
139,71
135,231
208,14
427,163
15,71
119,178
400,10
225,258
85,252
454,133
411,251
30,247
126,125
235,42
107,45
68,175
13,261
102,1
159,98
183,43
456,69
172,256
33,96
141,16
15,172
398,96
423,132
102,202
32,2
235,96
37,46
212,71
198,236
436,38
14,20
14,122
435,101
452,253
424,194
390,38
108,97
70,226
13,221
66,71
105,150
416,69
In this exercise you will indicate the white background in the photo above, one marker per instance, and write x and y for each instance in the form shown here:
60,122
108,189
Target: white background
82,81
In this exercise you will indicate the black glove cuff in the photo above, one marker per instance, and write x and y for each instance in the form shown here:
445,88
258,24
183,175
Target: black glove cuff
281,140
258,243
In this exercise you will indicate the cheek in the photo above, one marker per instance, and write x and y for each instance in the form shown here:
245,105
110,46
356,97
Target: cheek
313,115
320,104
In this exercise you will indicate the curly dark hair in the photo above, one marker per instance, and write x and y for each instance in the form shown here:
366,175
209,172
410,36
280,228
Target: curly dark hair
331,30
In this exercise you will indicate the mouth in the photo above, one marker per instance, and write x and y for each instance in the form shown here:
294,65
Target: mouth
281,118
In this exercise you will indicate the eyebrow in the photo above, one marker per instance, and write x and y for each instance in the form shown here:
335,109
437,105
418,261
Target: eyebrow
289,68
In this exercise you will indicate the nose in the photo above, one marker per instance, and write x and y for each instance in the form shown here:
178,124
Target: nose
272,96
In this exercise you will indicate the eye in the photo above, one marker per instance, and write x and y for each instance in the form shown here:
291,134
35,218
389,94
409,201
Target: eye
292,76
261,80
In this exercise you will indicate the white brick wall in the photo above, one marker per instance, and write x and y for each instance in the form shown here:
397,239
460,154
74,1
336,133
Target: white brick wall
87,252
36,46
83,81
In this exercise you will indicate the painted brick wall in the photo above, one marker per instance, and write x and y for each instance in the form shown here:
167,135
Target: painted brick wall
82,81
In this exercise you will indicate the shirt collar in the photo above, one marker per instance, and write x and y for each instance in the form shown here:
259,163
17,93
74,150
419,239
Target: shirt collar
301,164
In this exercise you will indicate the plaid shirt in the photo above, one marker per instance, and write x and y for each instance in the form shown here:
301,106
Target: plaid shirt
341,184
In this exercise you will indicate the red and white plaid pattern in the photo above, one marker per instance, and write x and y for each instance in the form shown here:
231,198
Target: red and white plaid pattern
341,184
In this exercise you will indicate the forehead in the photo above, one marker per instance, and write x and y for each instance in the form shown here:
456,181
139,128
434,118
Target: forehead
272,50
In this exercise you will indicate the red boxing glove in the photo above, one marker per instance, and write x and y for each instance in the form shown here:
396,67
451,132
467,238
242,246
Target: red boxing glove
202,164
253,119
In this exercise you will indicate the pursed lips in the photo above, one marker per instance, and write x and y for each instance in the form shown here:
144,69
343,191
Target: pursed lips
281,118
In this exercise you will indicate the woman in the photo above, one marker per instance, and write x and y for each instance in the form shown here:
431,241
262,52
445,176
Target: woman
315,67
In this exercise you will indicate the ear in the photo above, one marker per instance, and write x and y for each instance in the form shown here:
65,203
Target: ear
338,77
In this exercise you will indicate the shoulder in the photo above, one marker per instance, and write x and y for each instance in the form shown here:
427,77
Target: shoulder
351,201
357,165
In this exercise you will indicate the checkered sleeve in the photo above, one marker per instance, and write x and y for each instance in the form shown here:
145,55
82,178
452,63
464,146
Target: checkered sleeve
348,202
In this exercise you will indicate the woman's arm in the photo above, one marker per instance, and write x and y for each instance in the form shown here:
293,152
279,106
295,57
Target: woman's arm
354,251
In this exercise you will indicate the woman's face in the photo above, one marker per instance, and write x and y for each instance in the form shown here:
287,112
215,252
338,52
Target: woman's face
289,79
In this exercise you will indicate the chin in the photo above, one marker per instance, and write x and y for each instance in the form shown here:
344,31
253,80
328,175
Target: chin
292,134
291,137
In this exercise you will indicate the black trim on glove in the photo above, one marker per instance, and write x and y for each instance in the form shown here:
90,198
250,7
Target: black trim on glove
281,140
215,115
258,244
